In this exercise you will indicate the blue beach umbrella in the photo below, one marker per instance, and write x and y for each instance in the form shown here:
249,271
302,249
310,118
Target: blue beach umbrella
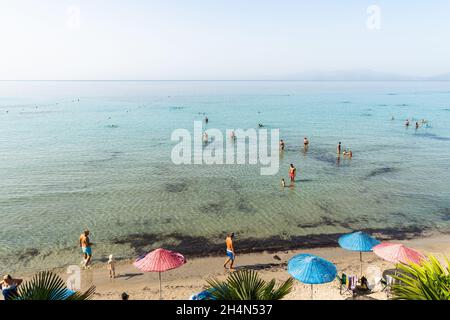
358,241
311,269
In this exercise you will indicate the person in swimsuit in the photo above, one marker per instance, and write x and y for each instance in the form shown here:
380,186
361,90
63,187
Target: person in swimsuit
9,287
206,119
230,251
305,143
282,145
86,248
407,123
339,149
292,173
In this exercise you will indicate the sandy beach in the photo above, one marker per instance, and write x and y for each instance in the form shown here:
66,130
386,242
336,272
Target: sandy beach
181,283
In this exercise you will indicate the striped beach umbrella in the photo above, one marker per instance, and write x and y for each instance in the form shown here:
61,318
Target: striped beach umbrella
398,253
159,260
358,241
311,269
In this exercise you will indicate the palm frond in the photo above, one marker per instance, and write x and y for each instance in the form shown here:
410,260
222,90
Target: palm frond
46,285
247,285
428,281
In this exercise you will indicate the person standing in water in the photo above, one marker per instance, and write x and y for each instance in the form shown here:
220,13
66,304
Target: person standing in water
292,173
339,149
206,120
407,123
282,145
305,143
230,251
86,247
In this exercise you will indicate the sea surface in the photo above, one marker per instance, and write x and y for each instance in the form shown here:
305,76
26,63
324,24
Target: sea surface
97,155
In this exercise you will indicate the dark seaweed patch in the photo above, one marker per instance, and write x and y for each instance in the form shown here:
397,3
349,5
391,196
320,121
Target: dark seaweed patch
24,256
214,207
380,171
176,187
432,136
202,246
244,206
445,214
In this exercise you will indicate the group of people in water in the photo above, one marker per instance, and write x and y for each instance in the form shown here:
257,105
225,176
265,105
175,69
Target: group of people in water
418,124
293,171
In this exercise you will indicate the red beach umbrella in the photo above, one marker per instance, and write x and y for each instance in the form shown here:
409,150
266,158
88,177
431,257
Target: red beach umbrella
395,253
159,260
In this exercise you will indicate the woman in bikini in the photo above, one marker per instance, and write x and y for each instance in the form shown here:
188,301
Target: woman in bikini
292,173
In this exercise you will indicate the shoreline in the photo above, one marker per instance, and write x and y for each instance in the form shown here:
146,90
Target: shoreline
200,247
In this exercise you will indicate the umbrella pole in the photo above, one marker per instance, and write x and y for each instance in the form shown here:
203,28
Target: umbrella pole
312,292
160,287
360,259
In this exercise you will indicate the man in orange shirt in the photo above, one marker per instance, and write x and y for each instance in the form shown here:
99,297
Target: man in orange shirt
230,251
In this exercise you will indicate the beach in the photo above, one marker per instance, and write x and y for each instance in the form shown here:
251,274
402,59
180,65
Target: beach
97,155
181,283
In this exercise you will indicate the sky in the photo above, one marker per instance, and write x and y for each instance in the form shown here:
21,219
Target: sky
219,39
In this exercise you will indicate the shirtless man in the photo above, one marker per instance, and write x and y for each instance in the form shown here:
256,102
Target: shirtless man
282,145
85,245
230,251
339,149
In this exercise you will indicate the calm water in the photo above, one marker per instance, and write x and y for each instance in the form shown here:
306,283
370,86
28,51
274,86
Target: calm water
103,162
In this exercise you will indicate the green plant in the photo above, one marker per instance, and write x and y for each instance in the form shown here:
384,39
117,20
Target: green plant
46,285
248,285
428,281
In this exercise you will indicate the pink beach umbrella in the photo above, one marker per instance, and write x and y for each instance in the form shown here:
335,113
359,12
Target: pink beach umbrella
395,253
159,260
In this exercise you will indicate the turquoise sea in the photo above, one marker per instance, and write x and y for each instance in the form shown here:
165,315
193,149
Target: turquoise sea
97,155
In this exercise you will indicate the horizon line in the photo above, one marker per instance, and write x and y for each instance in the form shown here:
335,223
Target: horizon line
223,80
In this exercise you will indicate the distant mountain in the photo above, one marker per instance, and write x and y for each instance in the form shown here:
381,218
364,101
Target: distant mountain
440,77
354,75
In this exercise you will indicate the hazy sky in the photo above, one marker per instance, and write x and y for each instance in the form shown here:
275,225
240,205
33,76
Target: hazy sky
219,39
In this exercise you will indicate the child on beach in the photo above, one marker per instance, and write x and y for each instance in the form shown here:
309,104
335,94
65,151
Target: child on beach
283,183
111,267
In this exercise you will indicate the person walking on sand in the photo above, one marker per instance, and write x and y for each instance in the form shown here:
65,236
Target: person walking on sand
9,287
230,251
112,267
86,248
292,173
